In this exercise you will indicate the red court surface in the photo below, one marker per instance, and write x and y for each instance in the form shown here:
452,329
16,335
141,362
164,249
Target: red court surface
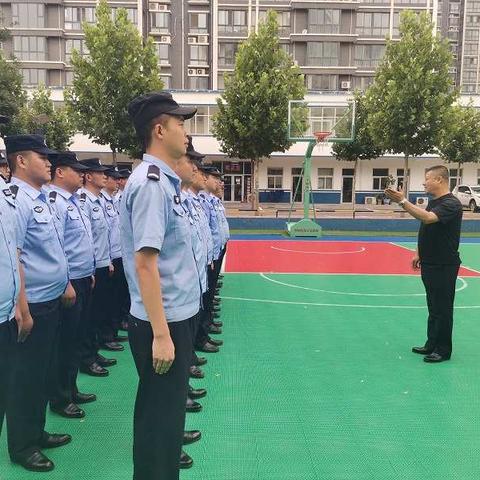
375,258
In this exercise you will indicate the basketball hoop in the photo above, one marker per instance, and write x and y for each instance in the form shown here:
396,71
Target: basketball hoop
322,137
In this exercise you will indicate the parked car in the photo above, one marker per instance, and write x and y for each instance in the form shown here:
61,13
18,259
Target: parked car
469,196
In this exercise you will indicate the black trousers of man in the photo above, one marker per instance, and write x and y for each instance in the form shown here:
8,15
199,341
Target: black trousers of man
159,417
72,333
8,339
120,302
99,311
440,281
26,408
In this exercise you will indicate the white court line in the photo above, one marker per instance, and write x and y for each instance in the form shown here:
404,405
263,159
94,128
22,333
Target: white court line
283,302
463,287
362,249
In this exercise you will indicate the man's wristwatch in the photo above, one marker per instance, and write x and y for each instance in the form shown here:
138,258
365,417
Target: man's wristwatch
402,202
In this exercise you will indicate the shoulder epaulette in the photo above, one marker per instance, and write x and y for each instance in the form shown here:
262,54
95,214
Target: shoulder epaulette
83,197
52,196
14,190
153,173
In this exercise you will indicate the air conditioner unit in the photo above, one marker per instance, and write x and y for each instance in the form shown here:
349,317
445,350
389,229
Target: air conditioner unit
158,7
345,85
370,200
202,39
422,201
165,39
452,70
201,71
192,40
192,71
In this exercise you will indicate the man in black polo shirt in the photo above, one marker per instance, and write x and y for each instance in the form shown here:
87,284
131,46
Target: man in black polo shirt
437,257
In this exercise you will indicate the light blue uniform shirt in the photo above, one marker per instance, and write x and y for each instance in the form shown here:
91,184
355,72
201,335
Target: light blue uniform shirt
38,240
113,220
205,199
92,206
151,216
10,278
75,232
223,220
216,208
198,242
205,228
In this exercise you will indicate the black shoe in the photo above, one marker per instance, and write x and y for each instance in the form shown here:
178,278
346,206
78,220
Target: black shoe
94,370
196,372
105,362
215,330
216,343
54,440
69,411
201,361
217,308
219,285
216,315
36,462
208,347
191,436
196,393
217,324
185,460
435,358
217,301
112,346
81,398
422,350
120,338
193,407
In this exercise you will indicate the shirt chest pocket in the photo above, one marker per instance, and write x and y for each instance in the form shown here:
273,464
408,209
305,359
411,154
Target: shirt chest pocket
43,228
181,223
74,219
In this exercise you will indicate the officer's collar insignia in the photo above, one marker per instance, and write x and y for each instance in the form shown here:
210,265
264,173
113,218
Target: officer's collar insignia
176,199
38,209
7,192
109,207
69,208
96,209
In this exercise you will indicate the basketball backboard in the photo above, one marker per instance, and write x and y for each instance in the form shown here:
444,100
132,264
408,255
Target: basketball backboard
307,119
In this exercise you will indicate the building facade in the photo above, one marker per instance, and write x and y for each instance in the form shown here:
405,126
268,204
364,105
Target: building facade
336,43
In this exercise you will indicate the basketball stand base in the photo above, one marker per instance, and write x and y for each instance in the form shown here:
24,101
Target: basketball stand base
304,228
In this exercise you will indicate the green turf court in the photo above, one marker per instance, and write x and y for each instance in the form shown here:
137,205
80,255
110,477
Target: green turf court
315,381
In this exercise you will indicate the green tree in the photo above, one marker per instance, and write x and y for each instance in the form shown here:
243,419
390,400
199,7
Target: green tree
460,139
412,91
363,147
12,95
119,67
252,119
39,115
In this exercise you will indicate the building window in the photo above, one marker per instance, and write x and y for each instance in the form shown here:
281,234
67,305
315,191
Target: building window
200,124
322,82
68,78
284,24
131,14
75,44
226,54
401,177
160,22
373,24
380,178
453,177
167,81
34,76
362,83
368,55
322,54
198,83
28,15
198,55
323,21
74,16
325,178
163,53
232,21
198,22
275,178
220,82
30,48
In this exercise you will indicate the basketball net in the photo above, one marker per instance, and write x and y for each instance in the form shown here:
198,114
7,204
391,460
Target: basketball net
322,137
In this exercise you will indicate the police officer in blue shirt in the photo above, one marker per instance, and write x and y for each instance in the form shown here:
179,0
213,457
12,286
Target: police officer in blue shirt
76,235
119,283
4,169
163,282
46,284
94,180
